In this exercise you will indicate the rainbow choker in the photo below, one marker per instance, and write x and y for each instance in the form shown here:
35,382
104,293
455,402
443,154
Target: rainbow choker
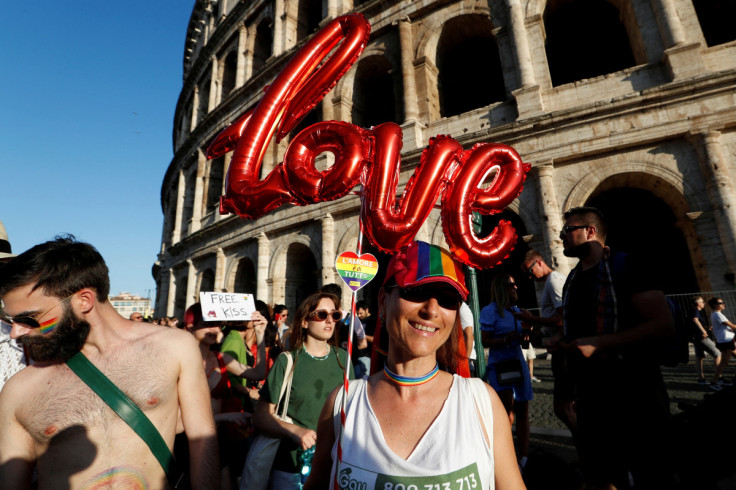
408,380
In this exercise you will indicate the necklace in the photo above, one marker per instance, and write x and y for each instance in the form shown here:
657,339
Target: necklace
408,380
317,358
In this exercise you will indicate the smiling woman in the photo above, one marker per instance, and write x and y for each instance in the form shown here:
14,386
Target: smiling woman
397,421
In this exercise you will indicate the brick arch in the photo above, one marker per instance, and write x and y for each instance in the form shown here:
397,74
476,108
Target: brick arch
349,239
665,184
673,193
206,271
376,95
277,262
247,250
344,87
432,26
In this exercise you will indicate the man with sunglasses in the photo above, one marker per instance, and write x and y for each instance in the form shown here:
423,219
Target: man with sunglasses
723,330
614,316
550,320
56,302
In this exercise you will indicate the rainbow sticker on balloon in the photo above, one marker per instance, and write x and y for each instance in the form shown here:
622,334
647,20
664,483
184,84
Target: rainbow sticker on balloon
356,271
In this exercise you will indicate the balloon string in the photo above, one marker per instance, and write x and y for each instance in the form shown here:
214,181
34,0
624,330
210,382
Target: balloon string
346,379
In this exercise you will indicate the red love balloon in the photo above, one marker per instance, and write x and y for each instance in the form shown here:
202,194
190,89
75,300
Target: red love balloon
369,157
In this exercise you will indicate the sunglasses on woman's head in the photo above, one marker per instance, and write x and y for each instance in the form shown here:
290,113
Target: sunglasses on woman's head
322,315
448,298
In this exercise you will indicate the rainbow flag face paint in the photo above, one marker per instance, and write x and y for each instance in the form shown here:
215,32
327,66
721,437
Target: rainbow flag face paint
118,477
48,326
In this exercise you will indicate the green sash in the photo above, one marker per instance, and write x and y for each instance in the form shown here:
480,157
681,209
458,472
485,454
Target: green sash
129,412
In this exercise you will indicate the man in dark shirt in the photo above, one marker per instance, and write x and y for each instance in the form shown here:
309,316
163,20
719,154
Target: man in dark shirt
699,336
613,317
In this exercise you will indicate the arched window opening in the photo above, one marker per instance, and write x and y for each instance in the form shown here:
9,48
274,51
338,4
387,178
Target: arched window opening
214,184
245,277
308,18
712,15
207,283
585,39
470,74
654,218
374,100
188,208
263,45
230,68
186,120
204,99
301,275
180,299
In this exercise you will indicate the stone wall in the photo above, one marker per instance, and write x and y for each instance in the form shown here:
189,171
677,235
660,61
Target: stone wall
664,125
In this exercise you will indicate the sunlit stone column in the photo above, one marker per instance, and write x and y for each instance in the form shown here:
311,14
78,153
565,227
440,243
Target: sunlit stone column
521,43
264,255
718,184
243,60
328,249
551,214
220,270
195,109
180,198
171,294
411,108
278,27
198,201
191,284
214,85
669,22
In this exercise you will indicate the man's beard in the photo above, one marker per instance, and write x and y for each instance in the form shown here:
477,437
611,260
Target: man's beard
577,251
61,344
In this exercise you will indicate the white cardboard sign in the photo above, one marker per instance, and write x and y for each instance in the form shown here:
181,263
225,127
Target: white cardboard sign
226,306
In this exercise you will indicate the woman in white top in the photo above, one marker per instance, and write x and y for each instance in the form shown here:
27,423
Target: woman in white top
414,425
723,330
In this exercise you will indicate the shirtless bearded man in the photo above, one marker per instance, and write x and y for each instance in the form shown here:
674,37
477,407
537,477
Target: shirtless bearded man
55,298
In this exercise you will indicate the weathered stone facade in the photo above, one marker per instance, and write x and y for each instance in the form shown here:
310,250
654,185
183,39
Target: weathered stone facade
638,109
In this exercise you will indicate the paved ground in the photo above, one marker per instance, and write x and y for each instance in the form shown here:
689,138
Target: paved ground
550,434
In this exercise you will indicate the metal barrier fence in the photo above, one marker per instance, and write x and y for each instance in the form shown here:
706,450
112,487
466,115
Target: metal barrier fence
685,302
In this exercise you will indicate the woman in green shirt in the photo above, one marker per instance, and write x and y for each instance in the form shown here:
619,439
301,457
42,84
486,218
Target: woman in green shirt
318,368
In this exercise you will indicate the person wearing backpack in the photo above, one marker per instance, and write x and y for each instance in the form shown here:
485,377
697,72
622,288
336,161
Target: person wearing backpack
613,323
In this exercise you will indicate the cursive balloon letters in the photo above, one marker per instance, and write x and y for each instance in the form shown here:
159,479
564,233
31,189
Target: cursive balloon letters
370,157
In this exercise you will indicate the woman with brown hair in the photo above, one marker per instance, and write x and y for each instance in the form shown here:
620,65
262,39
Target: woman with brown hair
507,371
318,367
414,425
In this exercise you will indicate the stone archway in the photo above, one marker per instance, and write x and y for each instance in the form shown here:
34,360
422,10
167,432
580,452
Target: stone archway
641,223
180,298
206,281
245,277
302,275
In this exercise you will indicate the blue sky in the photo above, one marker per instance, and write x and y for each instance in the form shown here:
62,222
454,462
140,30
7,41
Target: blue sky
87,99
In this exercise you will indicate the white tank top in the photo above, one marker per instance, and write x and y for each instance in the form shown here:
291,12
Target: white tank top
451,455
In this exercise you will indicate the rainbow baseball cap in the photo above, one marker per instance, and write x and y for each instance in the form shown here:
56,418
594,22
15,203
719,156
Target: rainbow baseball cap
421,263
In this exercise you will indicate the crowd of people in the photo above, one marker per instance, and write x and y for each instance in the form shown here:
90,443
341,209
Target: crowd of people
208,391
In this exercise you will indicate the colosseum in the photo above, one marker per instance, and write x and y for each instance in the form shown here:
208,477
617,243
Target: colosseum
627,105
